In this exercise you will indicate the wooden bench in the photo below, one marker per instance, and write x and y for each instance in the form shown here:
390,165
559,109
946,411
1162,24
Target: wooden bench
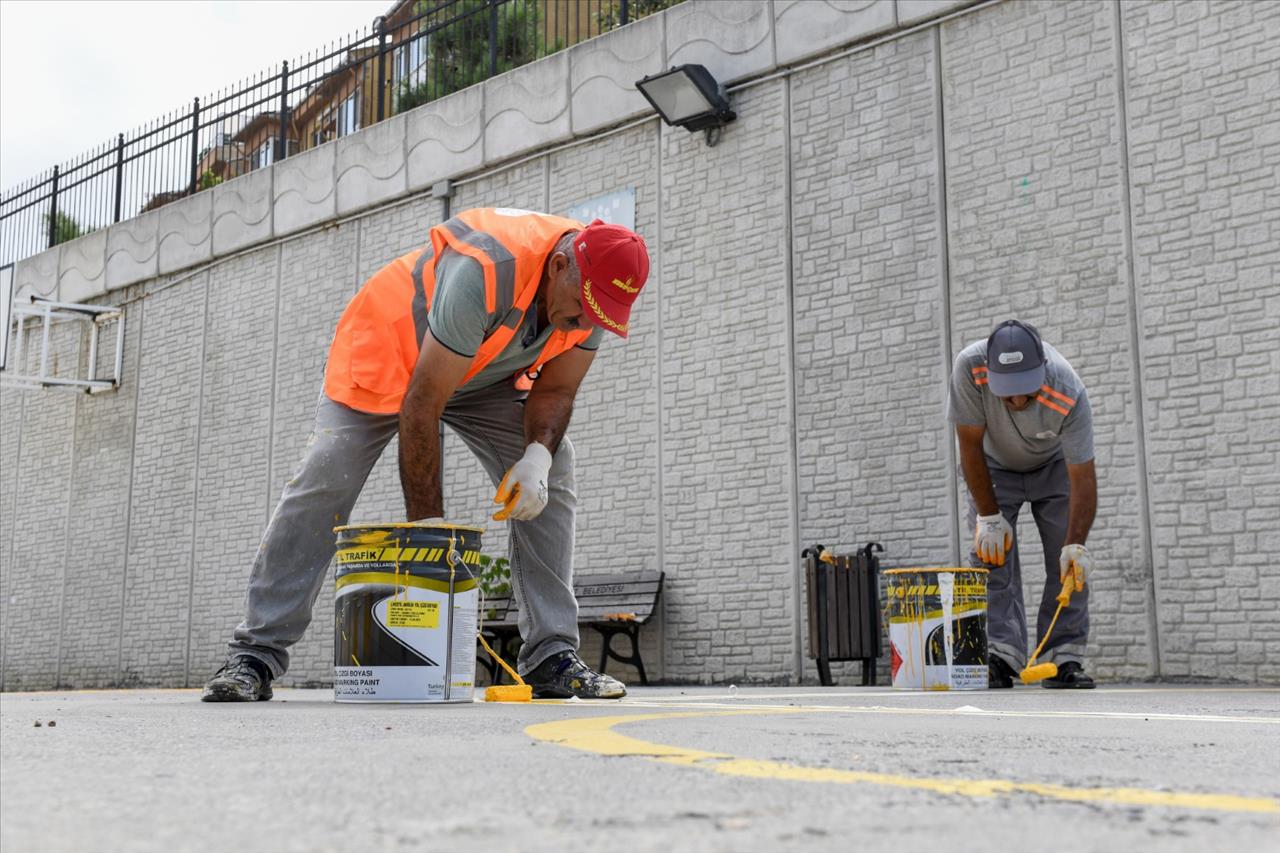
611,604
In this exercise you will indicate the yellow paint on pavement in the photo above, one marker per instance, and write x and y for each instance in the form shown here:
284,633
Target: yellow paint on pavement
596,735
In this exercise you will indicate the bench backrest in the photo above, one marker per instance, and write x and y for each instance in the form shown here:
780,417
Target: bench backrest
630,594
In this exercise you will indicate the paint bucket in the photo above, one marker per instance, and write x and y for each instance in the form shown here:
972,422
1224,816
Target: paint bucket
405,608
937,628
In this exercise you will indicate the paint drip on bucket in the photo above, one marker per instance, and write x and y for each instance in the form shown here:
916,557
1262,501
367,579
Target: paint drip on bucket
405,608
937,628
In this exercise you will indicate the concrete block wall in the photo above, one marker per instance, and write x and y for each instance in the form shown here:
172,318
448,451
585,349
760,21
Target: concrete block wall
1204,145
1100,169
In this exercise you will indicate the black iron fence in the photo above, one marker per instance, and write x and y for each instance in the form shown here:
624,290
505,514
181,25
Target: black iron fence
418,52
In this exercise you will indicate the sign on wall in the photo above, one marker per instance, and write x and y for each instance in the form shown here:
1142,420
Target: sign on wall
616,208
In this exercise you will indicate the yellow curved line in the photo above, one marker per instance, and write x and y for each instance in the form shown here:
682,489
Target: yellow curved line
596,735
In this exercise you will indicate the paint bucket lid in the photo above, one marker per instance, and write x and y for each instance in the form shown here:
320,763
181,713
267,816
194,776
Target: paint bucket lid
933,571
410,525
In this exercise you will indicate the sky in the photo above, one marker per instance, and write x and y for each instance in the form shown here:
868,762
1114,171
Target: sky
74,74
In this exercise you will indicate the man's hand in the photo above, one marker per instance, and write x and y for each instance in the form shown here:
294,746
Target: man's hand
1075,559
992,537
523,491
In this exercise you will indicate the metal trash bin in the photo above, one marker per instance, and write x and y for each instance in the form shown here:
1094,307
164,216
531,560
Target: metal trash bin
844,608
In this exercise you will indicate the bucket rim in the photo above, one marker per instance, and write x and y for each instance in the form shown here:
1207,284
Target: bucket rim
930,570
408,525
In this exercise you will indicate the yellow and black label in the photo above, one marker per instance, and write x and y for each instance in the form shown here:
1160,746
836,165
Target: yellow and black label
413,614
392,554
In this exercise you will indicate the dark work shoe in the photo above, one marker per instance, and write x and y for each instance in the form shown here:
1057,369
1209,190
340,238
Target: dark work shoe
564,675
1070,676
999,674
240,679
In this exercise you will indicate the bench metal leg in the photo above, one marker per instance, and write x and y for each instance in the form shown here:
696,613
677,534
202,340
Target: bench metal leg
632,632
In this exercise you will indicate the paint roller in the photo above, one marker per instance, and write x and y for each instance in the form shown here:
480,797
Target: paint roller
518,692
1040,671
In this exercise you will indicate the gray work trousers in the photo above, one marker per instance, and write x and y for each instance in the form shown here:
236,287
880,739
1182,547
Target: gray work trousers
293,560
1046,489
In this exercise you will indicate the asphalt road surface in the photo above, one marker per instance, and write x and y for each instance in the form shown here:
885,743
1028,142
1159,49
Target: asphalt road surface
1161,768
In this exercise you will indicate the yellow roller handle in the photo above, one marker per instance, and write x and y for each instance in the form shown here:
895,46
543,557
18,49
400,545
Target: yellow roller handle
1034,672
518,692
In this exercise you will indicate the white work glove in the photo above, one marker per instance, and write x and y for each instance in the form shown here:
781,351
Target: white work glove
1075,558
523,491
992,536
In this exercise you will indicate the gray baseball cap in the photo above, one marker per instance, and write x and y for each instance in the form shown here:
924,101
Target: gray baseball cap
1015,360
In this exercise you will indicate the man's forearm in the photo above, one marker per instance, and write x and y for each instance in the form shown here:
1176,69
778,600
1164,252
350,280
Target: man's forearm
1082,504
546,417
978,478
420,465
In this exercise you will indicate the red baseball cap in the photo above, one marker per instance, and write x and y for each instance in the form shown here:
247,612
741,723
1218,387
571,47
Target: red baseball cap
614,262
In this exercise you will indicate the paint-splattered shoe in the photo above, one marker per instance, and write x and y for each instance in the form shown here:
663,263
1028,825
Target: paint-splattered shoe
240,679
564,675
999,674
1071,676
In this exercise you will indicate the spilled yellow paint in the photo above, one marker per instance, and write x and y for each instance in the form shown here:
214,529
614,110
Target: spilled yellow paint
596,735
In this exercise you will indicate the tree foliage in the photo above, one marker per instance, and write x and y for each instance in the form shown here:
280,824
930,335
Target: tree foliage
457,55
65,227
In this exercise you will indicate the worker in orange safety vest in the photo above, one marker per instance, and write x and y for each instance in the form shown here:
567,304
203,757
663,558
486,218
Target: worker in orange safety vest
490,330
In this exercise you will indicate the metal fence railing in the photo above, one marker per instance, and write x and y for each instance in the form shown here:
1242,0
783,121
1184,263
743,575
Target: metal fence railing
421,50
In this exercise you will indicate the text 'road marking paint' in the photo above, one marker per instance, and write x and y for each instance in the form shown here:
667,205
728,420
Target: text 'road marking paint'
596,735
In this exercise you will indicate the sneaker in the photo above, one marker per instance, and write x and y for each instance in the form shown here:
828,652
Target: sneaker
564,675
241,679
1071,676
999,674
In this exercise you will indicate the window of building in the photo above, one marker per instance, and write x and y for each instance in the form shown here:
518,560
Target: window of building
263,155
348,116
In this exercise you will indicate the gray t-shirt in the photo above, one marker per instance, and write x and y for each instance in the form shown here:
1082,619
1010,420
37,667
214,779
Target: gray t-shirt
459,321
1058,423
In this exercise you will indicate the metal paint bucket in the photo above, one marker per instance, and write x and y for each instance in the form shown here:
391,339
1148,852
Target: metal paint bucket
937,628
405,607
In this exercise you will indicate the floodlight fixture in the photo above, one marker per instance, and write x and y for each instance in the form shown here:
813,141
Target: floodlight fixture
688,96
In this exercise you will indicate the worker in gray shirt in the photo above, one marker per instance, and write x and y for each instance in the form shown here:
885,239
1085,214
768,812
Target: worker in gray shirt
1025,435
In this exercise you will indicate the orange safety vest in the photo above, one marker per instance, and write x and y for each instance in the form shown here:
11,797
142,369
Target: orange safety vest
377,342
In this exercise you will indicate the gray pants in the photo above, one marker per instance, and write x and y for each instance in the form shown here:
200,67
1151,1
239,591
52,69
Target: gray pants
1046,489
293,560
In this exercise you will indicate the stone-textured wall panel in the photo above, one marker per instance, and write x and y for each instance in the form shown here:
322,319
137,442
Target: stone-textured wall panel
242,211
37,276
912,12
12,404
133,250
304,189
157,582
726,469
869,368
523,186
94,604
1034,212
318,278
185,232
603,74
1204,146
445,138
42,478
235,444
732,38
526,108
82,268
805,28
371,165
615,417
